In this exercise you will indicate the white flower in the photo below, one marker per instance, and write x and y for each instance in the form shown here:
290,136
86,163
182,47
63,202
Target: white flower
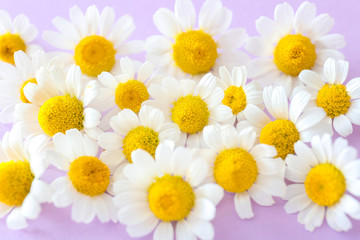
339,102
59,102
323,174
22,191
186,50
88,183
191,105
292,123
291,43
170,189
95,39
240,166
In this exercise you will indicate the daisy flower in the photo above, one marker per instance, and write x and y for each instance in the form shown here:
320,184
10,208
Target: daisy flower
238,93
22,191
14,78
240,166
59,102
88,181
94,38
291,43
16,35
125,90
291,123
185,50
165,191
191,105
131,132
340,103
323,176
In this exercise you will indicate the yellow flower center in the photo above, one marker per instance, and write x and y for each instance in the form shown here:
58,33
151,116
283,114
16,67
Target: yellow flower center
235,98
15,179
334,99
191,113
195,52
235,170
282,134
22,95
61,113
89,175
294,53
95,54
140,137
325,184
9,44
171,198
131,95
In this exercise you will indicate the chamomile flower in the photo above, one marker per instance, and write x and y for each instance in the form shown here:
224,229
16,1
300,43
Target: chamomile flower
89,179
170,189
145,131
238,93
15,35
58,102
191,105
22,191
94,38
240,166
14,78
340,102
291,43
185,50
323,176
125,90
290,124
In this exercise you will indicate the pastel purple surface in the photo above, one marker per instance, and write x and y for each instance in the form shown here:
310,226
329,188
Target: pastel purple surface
269,222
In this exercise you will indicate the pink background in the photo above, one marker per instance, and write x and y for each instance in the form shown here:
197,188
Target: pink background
269,222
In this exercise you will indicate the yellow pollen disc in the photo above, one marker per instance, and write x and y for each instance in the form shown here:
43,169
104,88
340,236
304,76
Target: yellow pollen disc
171,198
191,113
235,98
89,175
195,52
15,179
294,53
140,137
131,95
282,134
235,170
325,184
22,95
9,44
95,54
334,99
61,113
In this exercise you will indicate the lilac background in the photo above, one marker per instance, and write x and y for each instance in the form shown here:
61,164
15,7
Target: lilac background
269,222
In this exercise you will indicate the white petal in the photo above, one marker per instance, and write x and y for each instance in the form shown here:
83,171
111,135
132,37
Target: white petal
166,22
204,209
202,229
185,12
30,208
16,220
243,205
311,79
143,228
210,191
197,172
91,117
342,125
183,231
297,204
164,231
256,116
110,141
260,196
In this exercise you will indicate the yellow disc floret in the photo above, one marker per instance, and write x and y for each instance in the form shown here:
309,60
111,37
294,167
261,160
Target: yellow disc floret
15,179
141,137
282,134
95,54
22,95
171,198
334,99
89,175
61,113
195,52
191,113
294,53
235,98
9,44
131,95
325,184
235,170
